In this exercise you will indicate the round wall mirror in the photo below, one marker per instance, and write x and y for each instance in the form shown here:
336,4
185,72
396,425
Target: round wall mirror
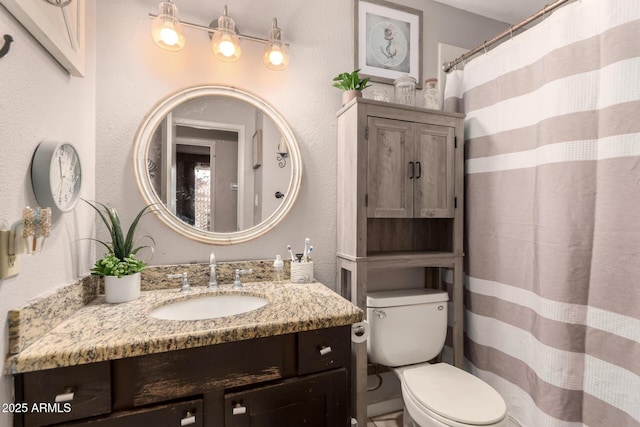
222,165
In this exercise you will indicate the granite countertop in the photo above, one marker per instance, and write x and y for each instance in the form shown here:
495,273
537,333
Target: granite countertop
100,331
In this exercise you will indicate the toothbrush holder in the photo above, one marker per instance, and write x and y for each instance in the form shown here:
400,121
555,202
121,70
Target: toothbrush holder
302,272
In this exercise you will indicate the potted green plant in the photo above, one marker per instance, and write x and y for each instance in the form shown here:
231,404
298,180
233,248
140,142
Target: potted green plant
119,266
351,84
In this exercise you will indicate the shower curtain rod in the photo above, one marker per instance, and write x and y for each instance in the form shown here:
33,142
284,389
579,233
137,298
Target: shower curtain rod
447,66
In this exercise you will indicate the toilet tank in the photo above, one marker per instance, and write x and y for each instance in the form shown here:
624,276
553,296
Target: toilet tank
407,326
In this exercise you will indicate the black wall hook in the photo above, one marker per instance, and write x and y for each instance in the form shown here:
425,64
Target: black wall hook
7,43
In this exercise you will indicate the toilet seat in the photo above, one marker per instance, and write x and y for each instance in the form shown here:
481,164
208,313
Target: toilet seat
452,396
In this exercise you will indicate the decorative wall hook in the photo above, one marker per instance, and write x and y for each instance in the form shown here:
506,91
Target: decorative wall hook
7,43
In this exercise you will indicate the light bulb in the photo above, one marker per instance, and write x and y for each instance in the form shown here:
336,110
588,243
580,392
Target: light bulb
276,53
169,35
227,48
276,57
225,43
166,29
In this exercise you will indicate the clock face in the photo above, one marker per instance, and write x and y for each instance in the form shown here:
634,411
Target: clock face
64,176
56,175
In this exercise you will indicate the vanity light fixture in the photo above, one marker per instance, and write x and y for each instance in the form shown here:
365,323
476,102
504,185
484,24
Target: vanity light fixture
166,29
167,33
276,53
225,43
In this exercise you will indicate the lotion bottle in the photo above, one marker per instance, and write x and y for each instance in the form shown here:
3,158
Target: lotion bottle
278,269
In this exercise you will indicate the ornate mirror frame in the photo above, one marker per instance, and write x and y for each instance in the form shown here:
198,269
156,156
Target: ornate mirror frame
142,141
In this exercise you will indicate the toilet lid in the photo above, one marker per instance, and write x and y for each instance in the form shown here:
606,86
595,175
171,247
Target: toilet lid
455,394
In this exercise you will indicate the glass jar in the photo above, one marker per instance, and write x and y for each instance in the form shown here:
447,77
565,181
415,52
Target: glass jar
431,94
380,95
405,90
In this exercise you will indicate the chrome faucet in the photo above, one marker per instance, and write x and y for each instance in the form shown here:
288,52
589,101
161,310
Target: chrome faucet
236,283
185,280
213,283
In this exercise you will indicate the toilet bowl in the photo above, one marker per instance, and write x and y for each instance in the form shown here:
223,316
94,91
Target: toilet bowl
442,395
408,328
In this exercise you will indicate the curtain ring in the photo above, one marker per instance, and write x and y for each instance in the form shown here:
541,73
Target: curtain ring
485,46
511,32
544,11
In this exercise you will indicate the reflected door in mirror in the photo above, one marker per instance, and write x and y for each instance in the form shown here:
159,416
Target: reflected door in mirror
206,178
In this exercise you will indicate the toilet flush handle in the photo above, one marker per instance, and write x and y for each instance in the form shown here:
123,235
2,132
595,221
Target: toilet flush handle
380,313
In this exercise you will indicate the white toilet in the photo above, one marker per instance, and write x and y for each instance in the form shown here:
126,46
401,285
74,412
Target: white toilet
408,328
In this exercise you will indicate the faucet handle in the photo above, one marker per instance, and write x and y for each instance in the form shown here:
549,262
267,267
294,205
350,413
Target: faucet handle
236,283
185,280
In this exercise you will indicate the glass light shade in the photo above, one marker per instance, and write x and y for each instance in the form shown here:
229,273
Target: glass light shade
166,30
225,43
276,53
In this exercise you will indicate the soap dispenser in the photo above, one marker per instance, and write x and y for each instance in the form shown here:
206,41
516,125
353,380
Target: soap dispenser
278,269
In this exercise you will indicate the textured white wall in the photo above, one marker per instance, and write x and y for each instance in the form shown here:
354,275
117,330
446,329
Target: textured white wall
133,74
39,100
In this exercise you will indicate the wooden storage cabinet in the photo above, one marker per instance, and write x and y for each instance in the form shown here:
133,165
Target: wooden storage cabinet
410,169
292,379
400,198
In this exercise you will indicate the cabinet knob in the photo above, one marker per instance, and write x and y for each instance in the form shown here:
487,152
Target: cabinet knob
324,350
189,418
238,409
67,396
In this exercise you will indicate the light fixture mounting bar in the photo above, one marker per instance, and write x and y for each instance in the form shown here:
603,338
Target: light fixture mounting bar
213,30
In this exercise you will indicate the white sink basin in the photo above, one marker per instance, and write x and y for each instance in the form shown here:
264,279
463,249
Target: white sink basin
209,307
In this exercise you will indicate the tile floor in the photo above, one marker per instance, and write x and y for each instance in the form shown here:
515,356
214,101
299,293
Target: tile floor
389,420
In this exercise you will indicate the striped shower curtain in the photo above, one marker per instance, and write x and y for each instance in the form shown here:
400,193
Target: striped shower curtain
553,216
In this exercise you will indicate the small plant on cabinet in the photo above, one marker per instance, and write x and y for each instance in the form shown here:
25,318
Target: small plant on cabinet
120,259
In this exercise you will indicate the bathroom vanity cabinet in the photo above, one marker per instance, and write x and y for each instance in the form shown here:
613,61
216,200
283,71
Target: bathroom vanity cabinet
283,380
400,197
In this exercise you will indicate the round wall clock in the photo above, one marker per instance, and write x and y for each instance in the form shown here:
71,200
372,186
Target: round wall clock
56,175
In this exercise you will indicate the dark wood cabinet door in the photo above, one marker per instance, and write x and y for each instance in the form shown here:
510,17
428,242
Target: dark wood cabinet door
320,400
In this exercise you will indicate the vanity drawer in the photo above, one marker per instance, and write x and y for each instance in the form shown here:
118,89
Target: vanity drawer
155,378
188,414
65,394
324,349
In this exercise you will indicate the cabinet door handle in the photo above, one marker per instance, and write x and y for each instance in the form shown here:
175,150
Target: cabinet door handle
67,396
419,170
324,350
239,409
188,419
411,166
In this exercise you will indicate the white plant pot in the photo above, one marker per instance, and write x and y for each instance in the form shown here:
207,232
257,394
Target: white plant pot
348,95
123,289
